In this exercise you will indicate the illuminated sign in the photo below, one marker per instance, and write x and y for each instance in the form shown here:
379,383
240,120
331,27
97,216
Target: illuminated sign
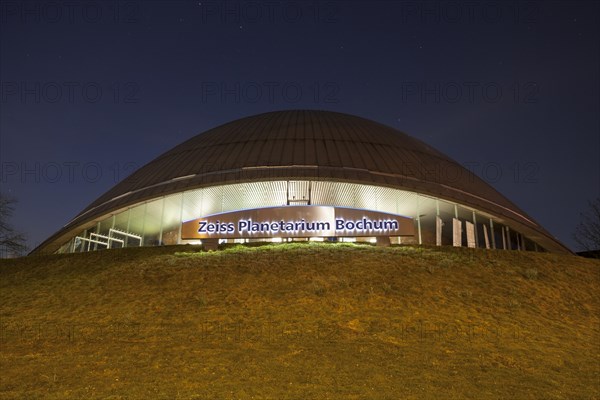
297,221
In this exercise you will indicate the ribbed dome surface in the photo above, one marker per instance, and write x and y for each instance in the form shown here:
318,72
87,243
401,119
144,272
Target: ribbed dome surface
314,145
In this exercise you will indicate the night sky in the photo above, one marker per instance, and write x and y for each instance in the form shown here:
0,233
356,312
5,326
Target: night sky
92,90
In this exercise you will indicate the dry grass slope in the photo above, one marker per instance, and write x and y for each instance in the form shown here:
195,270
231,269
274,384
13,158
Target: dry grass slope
300,321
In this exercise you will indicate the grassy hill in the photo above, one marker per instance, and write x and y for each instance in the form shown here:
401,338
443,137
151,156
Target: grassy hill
300,321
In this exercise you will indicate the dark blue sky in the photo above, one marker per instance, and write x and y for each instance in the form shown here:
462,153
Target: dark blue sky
91,90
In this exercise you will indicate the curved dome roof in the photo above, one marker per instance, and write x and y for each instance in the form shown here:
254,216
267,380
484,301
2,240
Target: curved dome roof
299,144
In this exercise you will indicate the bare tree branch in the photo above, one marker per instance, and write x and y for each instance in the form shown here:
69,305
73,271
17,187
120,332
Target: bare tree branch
587,233
12,243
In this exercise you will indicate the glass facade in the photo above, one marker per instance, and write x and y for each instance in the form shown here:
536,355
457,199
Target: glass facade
158,221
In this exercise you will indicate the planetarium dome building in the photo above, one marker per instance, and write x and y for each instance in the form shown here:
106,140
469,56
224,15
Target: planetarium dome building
302,175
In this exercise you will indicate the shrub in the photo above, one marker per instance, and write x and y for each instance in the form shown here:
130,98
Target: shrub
387,288
531,273
318,289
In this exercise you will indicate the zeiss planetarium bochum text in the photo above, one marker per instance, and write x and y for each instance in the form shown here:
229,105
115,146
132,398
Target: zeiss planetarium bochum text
302,175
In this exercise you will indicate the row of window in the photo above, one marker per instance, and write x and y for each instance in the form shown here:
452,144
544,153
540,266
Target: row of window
158,222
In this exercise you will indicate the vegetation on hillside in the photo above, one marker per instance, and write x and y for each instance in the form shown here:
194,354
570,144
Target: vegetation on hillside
300,321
